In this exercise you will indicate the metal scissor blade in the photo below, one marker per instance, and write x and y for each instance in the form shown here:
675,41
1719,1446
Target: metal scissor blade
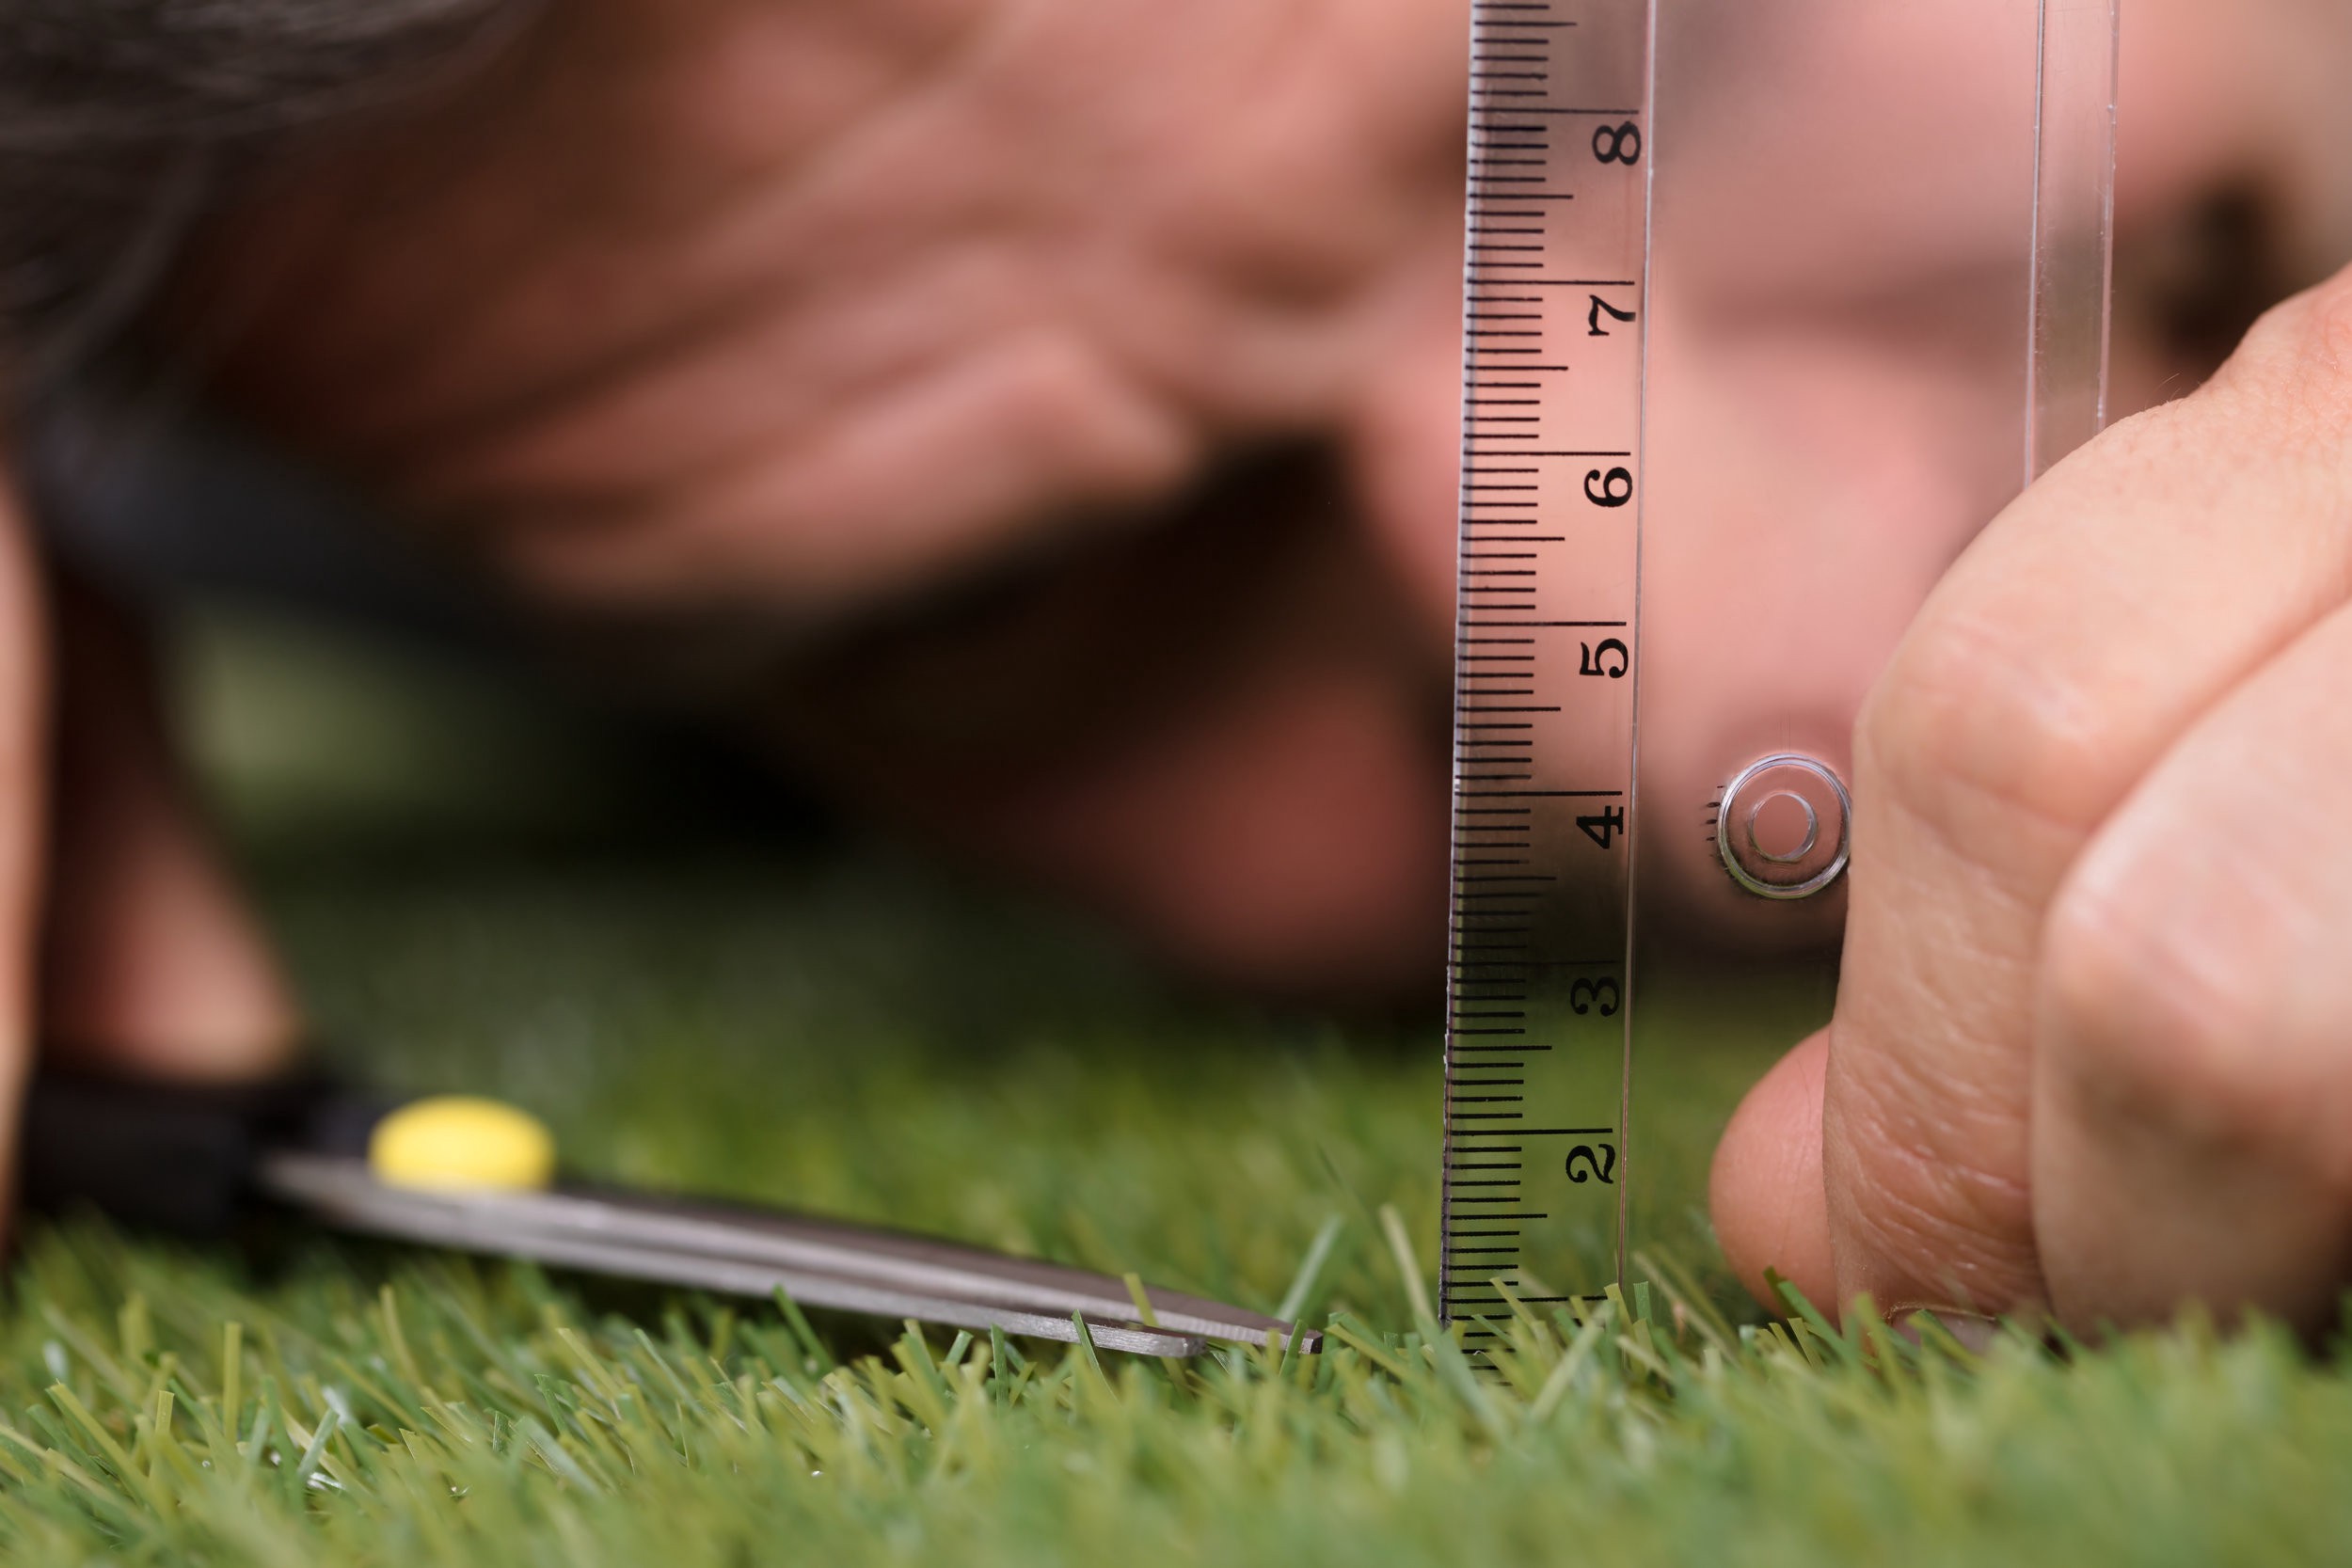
754,1251
914,1263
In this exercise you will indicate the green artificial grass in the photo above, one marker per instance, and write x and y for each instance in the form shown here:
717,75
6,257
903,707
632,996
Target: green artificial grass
839,1028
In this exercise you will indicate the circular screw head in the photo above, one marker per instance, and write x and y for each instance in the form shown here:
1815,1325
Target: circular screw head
1784,827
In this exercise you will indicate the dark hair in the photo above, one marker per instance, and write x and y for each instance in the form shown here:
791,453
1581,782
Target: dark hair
120,118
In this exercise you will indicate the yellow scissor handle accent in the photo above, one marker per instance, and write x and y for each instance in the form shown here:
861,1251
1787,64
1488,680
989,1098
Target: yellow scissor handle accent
462,1143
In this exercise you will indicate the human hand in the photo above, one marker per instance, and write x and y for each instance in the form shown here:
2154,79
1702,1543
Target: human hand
123,945
2092,1051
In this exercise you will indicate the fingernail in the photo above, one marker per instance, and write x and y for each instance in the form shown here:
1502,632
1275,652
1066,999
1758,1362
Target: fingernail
1973,1330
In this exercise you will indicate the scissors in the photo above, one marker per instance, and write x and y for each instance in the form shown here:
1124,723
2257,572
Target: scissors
196,1161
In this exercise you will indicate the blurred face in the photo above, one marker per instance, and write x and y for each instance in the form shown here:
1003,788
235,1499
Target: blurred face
1040,422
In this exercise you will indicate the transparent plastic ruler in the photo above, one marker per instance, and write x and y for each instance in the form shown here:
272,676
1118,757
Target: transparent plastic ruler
1556,262
1562,834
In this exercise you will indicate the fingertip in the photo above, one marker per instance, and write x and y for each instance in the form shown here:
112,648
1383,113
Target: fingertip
1766,1191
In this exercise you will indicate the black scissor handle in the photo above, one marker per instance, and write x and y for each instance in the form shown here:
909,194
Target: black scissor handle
176,1157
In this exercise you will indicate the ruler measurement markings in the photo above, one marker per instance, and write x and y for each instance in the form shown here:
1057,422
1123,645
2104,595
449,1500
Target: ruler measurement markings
1519,183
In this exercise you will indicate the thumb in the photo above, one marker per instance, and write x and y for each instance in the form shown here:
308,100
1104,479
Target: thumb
1770,1204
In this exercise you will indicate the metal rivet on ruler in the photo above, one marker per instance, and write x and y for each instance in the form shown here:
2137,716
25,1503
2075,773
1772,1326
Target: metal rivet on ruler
1786,827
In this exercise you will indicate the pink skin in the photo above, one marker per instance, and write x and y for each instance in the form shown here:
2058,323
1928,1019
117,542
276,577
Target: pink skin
749,336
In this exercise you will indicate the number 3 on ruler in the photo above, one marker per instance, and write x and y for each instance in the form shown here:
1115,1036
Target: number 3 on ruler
1604,827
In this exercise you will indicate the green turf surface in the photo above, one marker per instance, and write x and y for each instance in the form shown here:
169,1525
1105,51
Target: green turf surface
843,1029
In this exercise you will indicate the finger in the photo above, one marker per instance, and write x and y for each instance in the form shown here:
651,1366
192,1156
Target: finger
152,961
23,775
2074,643
1766,1194
2192,1126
